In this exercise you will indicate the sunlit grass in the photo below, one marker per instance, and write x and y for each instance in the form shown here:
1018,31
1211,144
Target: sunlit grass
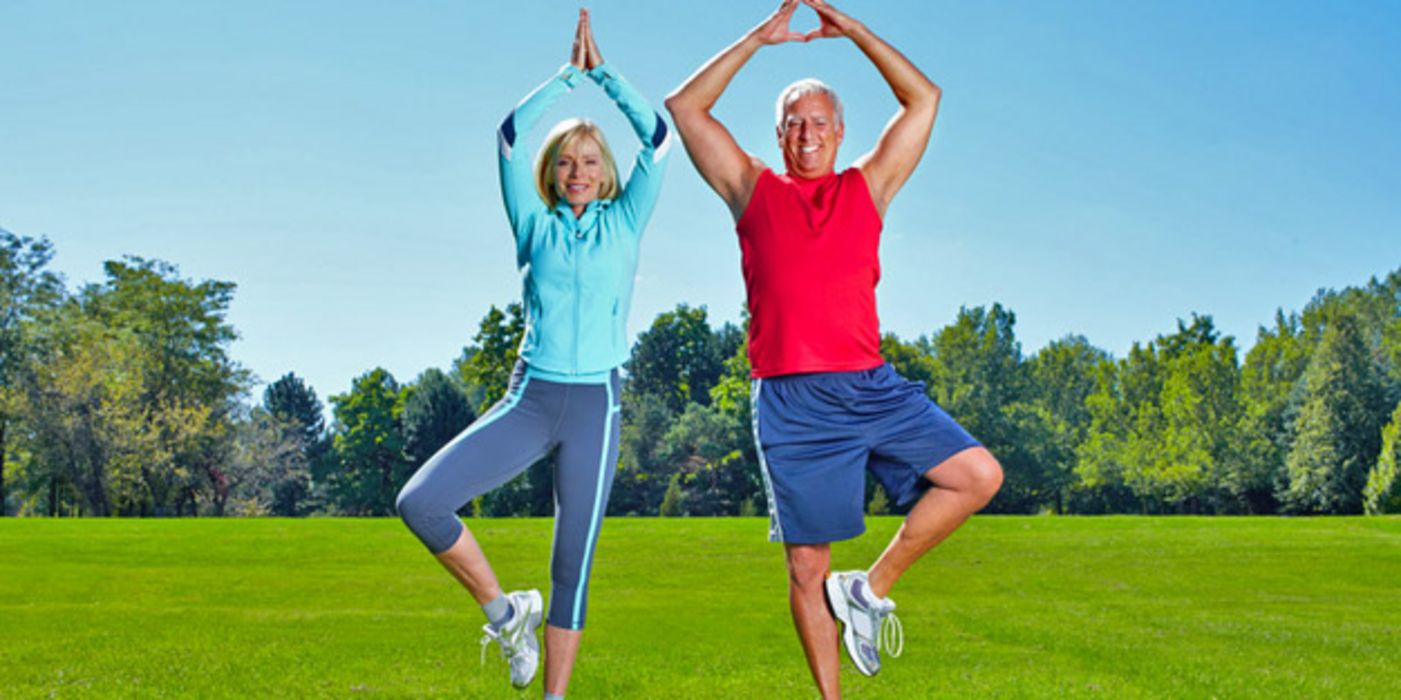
696,608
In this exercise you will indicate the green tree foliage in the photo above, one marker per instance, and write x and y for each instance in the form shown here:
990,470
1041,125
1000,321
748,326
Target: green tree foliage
268,472
435,410
1163,422
673,501
130,392
1268,379
487,365
1337,431
121,399
291,400
1382,493
642,480
368,444
292,405
1062,377
26,289
181,325
679,358
704,451
980,379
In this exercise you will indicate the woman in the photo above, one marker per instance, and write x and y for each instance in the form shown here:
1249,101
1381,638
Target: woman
577,237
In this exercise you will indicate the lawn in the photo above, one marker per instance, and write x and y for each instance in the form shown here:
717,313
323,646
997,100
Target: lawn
1119,607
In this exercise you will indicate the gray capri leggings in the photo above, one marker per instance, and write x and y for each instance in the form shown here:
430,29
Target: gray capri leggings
534,417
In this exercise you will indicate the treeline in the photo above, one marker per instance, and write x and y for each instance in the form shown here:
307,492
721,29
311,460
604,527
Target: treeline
120,398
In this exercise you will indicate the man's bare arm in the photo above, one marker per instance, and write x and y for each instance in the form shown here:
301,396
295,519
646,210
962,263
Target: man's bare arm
902,144
726,167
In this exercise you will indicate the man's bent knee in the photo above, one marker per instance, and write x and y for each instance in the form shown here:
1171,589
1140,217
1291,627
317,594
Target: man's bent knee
974,472
984,475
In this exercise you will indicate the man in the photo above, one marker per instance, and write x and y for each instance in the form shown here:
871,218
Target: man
826,406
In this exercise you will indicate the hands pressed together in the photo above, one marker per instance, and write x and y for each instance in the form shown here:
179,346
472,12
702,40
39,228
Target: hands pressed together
834,23
585,55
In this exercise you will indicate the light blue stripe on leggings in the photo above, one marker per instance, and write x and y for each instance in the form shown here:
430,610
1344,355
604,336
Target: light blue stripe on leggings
597,505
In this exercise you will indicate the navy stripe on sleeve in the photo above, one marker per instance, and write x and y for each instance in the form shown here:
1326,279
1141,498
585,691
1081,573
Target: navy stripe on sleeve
659,134
508,129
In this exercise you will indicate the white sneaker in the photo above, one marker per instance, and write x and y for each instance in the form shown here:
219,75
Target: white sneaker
516,637
868,622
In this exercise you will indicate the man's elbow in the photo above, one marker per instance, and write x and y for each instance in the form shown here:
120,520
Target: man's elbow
675,102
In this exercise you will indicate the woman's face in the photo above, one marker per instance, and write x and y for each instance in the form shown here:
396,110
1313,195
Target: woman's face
579,172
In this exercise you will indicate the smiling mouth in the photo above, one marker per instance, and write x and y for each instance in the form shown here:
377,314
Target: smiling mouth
576,189
807,149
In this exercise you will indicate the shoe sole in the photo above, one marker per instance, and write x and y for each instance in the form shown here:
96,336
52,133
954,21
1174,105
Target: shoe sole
836,600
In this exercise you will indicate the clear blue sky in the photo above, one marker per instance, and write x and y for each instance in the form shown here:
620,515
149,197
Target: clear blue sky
1100,167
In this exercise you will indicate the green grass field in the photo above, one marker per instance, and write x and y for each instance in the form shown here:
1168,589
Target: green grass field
696,608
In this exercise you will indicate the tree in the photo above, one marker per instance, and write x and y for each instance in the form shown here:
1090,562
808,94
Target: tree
488,364
704,450
679,359
1269,377
1062,377
1383,491
643,476
268,471
368,444
26,288
1337,432
183,334
294,407
1162,423
292,401
666,432
435,411
128,392
979,378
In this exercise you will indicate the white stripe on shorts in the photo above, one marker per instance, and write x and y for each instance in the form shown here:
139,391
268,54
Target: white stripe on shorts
775,528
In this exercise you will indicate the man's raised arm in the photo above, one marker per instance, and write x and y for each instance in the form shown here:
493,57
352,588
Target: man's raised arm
902,144
726,167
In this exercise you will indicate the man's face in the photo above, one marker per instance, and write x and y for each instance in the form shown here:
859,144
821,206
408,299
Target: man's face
810,135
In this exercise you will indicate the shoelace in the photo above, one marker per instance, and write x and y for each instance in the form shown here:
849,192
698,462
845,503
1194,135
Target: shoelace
892,636
487,638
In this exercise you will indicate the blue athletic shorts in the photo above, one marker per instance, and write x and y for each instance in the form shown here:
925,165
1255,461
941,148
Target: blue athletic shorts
817,434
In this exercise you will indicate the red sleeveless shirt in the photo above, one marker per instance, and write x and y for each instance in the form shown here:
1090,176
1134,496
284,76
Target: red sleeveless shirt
809,252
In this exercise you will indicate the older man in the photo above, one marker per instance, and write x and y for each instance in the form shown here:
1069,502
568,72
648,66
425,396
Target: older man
826,405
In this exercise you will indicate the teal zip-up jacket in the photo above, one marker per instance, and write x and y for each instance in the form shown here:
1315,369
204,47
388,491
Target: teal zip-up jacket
577,273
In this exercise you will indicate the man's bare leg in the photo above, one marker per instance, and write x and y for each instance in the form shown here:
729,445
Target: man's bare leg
808,565
963,484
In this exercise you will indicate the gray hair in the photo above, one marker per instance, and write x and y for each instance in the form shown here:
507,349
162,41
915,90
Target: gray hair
806,86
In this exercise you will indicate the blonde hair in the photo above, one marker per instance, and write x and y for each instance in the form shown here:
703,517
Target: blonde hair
562,135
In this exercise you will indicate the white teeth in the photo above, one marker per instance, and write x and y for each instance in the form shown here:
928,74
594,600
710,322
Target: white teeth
808,149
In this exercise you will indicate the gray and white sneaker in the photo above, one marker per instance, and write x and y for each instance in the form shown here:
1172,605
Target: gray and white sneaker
868,622
519,647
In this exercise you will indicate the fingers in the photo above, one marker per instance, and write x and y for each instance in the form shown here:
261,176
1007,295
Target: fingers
786,10
577,52
580,56
593,58
826,12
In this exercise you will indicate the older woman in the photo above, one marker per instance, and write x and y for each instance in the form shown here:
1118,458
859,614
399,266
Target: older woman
577,233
